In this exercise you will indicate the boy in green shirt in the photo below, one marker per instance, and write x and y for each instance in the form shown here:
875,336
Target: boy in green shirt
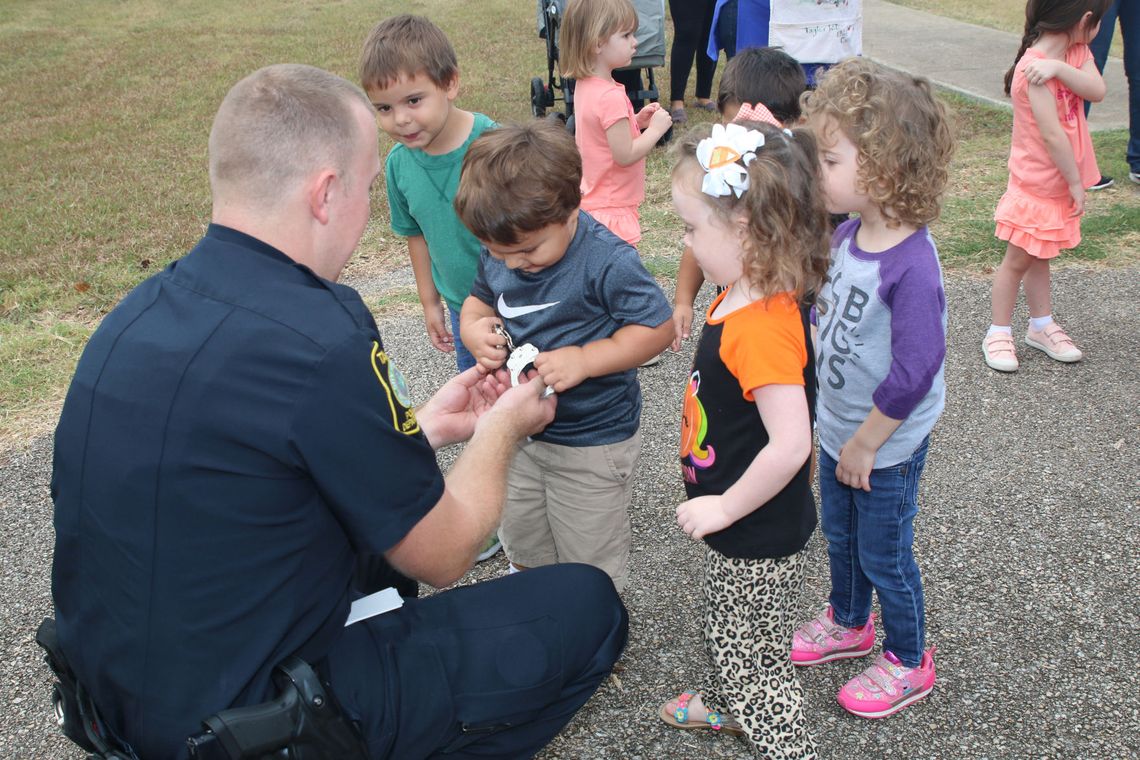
409,70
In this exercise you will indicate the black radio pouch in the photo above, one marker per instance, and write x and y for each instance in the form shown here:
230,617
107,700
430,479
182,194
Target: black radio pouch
74,710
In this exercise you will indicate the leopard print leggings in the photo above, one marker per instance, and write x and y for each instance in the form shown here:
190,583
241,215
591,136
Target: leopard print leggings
748,635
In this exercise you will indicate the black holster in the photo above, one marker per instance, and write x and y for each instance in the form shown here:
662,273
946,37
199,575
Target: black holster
302,723
75,712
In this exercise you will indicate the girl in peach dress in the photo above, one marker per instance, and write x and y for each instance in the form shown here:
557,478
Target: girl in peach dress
1051,162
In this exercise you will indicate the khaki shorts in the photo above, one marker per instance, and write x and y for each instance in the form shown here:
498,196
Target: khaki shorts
571,504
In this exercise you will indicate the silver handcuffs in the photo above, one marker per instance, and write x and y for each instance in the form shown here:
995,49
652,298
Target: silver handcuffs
518,359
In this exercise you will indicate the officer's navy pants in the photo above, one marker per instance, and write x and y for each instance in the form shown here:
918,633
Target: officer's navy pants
492,670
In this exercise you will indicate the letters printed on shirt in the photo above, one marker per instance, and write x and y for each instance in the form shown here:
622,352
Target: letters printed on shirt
396,388
839,338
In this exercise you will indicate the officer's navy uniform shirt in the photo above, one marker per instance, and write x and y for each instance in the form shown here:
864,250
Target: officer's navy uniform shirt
233,434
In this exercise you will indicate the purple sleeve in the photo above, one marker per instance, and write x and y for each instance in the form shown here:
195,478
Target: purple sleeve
912,289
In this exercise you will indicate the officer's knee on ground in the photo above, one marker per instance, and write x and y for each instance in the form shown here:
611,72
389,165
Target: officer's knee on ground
588,598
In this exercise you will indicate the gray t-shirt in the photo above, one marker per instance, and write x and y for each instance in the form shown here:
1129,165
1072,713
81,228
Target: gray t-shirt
882,341
598,287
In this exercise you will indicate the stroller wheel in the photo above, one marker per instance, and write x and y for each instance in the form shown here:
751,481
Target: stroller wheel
537,98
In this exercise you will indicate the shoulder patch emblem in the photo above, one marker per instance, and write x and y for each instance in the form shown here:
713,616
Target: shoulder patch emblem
396,389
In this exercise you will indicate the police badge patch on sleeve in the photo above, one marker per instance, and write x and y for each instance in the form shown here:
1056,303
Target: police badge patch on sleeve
396,388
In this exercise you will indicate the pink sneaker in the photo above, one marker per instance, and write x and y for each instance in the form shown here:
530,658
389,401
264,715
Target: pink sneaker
1000,352
1054,342
887,686
823,640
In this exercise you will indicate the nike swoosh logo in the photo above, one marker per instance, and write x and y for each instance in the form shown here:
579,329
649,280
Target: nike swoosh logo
510,312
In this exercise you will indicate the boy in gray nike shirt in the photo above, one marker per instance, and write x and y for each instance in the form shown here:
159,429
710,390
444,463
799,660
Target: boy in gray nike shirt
552,276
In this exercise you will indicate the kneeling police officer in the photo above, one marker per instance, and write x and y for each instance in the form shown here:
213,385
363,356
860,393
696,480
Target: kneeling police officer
236,439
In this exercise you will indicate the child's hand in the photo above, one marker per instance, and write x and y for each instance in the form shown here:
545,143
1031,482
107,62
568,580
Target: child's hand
437,327
660,120
1041,70
855,464
644,115
488,348
703,515
682,325
1077,193
562,368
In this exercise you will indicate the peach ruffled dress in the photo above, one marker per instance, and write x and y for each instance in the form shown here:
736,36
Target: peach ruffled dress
1035,212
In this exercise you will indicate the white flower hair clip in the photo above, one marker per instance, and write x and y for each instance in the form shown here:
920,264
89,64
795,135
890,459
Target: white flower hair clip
725,155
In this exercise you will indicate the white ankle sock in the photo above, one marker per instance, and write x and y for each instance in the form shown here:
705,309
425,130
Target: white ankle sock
1037,324
1007,329
511,570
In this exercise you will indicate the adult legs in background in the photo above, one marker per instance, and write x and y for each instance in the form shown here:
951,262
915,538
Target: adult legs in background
1128,15
692,22
495,669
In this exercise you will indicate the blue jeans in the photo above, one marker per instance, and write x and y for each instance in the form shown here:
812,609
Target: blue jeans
463,358
1129,15
869,544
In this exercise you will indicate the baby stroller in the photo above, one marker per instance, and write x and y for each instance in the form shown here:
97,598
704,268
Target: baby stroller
650,53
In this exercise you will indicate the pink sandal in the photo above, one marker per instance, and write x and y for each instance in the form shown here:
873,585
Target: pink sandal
679,717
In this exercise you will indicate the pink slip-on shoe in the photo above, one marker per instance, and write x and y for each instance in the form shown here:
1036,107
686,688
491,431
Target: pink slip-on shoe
1000,352
823,640
1054,342
887,686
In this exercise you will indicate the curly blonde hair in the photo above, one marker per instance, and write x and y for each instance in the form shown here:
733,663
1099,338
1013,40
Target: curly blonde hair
787,237
902,133
585,23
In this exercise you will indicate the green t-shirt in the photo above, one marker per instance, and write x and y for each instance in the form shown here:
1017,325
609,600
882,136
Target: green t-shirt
421,189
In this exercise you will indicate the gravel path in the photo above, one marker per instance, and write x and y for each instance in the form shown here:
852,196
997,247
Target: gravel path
1028,536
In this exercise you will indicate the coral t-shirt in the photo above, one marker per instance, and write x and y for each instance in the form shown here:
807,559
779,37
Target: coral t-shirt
598,105
1029,160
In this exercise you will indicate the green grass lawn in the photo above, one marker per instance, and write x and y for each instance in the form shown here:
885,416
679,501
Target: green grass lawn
108,106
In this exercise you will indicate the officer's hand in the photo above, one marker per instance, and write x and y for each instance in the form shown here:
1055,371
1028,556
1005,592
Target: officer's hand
450,415
522,410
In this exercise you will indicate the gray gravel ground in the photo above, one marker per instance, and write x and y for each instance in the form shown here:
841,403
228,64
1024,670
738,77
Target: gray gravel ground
1028,536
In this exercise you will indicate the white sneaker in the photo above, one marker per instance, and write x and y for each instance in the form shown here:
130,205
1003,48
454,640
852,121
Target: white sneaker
1135,177
490,549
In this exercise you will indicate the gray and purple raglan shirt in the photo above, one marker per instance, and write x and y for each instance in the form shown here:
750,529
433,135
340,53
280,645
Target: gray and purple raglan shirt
882,341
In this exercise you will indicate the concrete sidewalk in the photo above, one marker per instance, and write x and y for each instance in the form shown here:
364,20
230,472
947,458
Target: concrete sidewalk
967,58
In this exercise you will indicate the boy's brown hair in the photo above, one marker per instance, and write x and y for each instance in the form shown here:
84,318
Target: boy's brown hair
585,23
518,179
763,75
404,46
900,129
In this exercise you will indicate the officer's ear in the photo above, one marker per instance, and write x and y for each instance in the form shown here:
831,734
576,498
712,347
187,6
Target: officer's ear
320,195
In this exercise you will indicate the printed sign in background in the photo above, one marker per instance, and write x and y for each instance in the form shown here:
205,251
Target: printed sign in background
819,31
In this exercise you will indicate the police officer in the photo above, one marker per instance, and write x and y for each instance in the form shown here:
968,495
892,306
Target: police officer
236,437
